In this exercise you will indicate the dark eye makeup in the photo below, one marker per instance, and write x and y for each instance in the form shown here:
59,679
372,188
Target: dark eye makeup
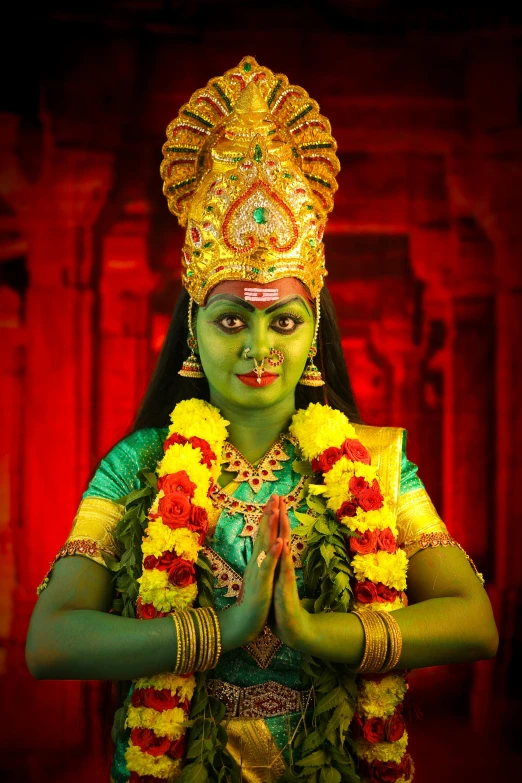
284,323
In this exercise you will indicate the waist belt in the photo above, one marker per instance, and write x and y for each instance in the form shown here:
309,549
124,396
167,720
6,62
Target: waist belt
258,701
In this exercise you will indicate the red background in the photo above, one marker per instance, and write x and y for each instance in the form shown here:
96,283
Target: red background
423,250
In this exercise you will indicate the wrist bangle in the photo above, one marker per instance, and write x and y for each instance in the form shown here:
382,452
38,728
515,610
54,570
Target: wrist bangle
395,638
178,643
376,641
217,636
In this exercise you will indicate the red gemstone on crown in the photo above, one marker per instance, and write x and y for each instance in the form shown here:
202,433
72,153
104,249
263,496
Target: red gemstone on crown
264,472
228,455
224,577
255,481
248,528
234,504
273,462
235,587
237,463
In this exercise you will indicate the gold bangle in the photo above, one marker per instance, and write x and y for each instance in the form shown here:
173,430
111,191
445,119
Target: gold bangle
178,643
203,640
182,643
210,634
395,636
190,639
376,642
217,636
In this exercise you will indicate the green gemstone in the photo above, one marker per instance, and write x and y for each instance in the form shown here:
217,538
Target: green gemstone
233,177
256,271
209,244
311,242
309,206
259,215
271,269
247,67
196,253
287,175
190,273
258,154
210,208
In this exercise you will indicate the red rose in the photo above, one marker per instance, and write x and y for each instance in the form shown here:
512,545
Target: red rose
365,592
384,772
159,746
198,521
160,699
357,484
181,572
356,726
142,737
207,455
406,766
177,748
385,594
175,509
166,560
146,611
370,499
328,458
354,450
315,465
138,697
395,726
174,438
177,482
348,509
387,541
373,730
366,544
150,562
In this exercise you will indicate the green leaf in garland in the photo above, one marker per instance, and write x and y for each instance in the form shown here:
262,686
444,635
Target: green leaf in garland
316,504
327,552
329,775
316,759
302,467
322,526
330,701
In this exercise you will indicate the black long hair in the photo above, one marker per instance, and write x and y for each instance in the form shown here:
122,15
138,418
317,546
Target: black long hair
167,388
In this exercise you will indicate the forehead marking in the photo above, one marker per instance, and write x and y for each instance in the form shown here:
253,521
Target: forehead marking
261,294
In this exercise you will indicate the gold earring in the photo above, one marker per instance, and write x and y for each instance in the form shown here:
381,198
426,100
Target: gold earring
311,374
191,367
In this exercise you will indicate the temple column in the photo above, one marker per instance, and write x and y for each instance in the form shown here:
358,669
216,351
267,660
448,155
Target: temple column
123,343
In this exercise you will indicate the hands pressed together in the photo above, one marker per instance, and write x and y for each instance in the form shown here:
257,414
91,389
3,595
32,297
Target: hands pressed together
269,587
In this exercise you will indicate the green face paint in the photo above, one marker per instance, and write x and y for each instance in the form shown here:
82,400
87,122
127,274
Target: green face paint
228,325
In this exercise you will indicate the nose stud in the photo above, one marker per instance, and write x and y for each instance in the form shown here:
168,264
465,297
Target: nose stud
245,353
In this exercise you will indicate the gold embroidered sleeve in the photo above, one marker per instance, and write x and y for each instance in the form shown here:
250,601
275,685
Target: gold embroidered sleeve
92,533
420,526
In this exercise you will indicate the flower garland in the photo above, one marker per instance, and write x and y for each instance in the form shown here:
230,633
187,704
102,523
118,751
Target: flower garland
350,510
177,525
351,489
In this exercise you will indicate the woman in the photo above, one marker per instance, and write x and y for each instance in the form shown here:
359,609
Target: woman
270,553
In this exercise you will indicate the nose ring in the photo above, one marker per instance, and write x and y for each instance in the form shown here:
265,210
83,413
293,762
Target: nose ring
276,362
245,353
259,369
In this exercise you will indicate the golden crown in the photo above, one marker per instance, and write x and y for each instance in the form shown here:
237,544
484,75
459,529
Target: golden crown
249,168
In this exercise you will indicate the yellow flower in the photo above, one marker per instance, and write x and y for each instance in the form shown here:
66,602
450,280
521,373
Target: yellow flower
389,606
382,567
144,764
337,479
372,520
319,427
379,699
169,723
178,686
161,538
156,590
184,457
382,751
197,417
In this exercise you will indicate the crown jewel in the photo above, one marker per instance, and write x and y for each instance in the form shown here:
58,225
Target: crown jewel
249,168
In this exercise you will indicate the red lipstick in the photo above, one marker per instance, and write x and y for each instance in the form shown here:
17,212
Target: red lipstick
251,379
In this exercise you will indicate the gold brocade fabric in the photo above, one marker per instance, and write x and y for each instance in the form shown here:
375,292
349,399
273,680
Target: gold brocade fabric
95,521
385,447
251,744
416,516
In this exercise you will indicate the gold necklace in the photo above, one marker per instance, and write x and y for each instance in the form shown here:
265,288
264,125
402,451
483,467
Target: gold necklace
235,462
252,511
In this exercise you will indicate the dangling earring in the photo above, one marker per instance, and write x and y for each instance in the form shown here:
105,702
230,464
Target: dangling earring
311,374
191,367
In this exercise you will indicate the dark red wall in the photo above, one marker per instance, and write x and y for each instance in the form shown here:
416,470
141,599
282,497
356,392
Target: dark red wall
424,258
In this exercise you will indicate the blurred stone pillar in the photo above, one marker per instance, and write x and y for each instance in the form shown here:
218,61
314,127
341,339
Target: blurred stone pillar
125,285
